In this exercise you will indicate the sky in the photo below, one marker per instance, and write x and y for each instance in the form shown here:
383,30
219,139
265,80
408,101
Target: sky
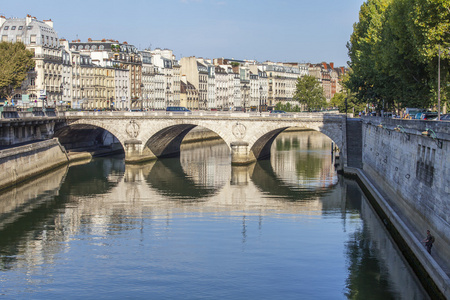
276,30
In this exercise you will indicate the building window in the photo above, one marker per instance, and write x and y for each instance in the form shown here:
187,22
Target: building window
20,27
6,27
19,38
33,39
13,28
4,38
29,27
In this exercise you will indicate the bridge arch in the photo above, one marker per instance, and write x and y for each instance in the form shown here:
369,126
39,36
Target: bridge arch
249,138
86,135
261,144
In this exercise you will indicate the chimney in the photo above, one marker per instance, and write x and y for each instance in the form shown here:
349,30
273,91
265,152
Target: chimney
49,22
28,20
2,20
332,65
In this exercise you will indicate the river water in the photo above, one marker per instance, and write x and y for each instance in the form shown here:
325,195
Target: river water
195,227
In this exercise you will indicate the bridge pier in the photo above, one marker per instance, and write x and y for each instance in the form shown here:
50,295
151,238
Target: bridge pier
136,152
241,154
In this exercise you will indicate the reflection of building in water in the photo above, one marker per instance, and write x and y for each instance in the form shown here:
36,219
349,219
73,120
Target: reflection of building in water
21,203
107,198
310,165
207,163
24,198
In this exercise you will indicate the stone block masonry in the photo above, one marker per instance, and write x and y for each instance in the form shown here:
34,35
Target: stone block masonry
408,165
21,163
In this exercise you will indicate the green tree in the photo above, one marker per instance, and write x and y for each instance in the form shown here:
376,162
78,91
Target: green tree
394,51
338,101
310,93
15,62
367,80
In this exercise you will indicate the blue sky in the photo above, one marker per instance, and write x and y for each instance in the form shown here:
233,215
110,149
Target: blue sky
277,30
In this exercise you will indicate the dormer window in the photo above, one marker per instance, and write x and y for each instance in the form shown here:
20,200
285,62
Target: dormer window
20,27
6,27
29,27
13,28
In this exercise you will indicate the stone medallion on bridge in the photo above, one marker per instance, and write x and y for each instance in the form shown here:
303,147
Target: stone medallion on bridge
239,130
133,129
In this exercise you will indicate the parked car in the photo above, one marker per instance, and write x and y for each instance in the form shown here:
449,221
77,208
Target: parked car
445,117
429,116
418,116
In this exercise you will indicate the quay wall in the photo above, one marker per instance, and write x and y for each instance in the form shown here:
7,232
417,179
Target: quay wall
406,166
21,163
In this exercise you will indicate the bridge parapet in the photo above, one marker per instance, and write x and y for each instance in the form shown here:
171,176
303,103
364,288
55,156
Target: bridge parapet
146,135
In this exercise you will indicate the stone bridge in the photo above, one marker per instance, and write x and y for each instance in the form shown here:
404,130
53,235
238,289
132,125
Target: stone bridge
150,135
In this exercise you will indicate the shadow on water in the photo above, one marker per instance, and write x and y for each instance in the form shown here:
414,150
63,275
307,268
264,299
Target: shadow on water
92,179
270,184
169,179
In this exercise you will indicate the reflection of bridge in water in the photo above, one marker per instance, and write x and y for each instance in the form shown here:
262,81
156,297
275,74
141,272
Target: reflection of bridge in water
108,189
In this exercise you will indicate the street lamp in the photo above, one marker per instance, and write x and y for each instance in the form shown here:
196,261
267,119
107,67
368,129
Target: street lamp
167,96
82,98
61,87
260,98
245,88
142,97
439,84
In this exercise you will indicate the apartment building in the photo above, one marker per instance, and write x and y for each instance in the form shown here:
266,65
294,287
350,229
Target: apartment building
111,53
197,74
44,85
189,95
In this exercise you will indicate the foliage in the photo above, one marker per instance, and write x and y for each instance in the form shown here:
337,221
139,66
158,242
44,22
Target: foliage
287,107
394,52
15,62
310,93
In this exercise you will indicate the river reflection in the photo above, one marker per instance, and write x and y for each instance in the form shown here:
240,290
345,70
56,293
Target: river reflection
195,227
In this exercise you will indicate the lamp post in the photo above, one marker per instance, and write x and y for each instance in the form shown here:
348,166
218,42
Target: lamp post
245,88
82,98
260,98
439,84
61,87
167,96
142,97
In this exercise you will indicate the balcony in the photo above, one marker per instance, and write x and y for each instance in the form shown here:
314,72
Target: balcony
51,58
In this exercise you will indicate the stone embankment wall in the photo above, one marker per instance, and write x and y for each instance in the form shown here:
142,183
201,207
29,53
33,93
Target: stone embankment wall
408,163
21,163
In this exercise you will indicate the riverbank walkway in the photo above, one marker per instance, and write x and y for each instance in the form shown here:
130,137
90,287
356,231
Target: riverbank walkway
433,264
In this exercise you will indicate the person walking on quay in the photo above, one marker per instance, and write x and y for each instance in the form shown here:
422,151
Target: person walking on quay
429,240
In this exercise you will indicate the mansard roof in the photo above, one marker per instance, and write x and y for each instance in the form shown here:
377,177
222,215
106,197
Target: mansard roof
31,31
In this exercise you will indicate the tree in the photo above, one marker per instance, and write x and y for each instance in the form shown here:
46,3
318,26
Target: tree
310,93
367,80
15,62
394,51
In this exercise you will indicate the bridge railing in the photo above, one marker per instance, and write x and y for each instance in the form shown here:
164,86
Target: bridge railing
5,116
202,114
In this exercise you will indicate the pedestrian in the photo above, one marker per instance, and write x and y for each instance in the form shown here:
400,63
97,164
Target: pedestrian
429,240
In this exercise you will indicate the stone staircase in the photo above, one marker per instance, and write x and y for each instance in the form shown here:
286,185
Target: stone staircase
354,143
